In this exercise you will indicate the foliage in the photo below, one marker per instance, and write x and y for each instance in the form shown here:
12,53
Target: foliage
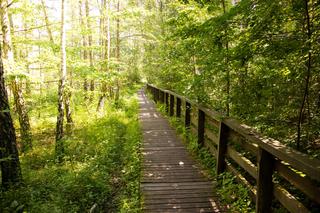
233,195
101,164
254,60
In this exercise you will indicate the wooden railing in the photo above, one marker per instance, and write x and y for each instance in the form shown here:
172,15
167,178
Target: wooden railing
268,168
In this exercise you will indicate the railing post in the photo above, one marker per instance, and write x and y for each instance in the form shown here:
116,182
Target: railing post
201,122
162,97
222,147
171,105
167,101
187,115
158,95
154,94
178,109
264,182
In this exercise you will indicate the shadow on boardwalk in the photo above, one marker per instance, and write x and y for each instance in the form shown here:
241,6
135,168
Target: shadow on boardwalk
171,180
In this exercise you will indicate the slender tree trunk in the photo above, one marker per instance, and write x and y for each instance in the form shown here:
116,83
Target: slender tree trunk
63,72
308,74
117,95
10,164
46,19
26,136
227,63
106,55
90,46
67,95
84,45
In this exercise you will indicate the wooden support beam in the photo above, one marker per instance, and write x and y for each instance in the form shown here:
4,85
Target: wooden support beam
222,147
201,122
187,115
167,101
178,109
264,182
171,105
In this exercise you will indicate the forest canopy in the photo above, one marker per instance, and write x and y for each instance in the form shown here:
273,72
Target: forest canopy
70,69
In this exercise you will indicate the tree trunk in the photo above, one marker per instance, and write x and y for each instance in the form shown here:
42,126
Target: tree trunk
25,129
63,72
106,55
67,95
26,136
90,47
226,63
117,95
46,19
308,74
10,164
84,45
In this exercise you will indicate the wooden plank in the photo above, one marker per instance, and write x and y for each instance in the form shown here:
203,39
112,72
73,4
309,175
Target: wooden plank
212,122
242,161
211,136
177,200
180,210
288,201
177,192
208,144
301,182
187,195
168,172
296,159
204,204
242,180
245,144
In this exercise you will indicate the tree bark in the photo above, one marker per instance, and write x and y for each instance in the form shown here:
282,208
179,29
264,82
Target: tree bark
226,63
8,55
10,164
308,73
90,46
67,95
106,55
63,72
117,95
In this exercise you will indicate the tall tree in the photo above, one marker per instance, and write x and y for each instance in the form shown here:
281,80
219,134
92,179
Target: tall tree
89,31
9,157
16,84
67,94
63,73
106,41
117,95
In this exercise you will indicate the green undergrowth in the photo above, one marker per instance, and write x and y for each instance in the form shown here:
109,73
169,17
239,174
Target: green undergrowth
101,165
231,194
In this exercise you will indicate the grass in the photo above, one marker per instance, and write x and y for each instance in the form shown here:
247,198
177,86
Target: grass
101,165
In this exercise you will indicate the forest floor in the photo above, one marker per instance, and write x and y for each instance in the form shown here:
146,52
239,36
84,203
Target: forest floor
101,165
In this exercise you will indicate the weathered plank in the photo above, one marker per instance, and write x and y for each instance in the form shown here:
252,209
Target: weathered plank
171,181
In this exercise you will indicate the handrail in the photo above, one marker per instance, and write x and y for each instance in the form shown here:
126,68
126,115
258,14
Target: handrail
270,157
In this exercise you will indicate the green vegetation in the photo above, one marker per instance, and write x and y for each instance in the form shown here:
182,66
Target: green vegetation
253,60
101,164
232,194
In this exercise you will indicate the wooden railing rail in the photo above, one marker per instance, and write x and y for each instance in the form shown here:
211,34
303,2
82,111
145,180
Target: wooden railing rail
270,169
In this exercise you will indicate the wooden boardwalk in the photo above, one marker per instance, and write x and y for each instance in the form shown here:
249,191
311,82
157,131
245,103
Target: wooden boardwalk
171,180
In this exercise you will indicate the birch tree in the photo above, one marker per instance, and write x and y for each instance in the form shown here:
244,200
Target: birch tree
16,84
63,73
